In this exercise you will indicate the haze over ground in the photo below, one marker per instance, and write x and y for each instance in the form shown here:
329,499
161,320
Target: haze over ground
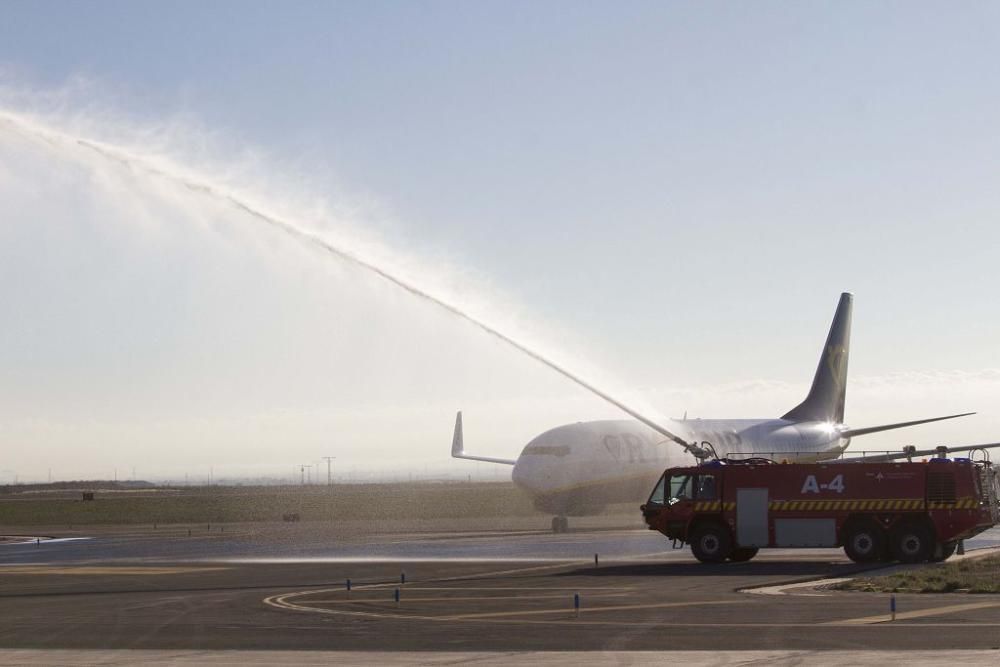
673,193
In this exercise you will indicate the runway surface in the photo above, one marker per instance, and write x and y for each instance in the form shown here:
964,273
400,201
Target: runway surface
285,588
396,541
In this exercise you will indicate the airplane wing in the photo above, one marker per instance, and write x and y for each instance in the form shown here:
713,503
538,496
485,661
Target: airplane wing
850,433
458,446
913,452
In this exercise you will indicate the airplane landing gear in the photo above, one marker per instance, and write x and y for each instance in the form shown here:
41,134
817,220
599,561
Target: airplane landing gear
560,524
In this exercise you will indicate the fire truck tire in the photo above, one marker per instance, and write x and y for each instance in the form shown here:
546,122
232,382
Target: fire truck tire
912,543
864,542
711,543
742,555
947,549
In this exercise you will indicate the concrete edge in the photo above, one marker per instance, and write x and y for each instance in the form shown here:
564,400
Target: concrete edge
809,583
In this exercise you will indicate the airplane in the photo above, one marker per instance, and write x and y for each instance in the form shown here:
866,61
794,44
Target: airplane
578,469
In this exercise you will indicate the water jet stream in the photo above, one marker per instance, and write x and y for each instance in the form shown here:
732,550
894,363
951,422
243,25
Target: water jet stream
311,239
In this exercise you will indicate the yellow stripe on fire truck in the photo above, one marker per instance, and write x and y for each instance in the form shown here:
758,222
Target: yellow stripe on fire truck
824,505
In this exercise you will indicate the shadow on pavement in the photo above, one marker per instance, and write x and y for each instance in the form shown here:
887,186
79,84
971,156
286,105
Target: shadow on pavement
763,569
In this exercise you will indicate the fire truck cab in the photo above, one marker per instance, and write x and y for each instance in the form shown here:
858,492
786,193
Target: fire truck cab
911,512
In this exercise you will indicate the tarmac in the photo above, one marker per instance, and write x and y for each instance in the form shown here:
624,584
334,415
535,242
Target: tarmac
484,593
120,658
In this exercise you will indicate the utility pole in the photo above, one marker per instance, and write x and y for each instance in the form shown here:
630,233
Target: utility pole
302,469
329,478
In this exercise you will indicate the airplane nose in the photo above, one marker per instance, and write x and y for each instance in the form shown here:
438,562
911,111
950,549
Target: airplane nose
530,474
520,475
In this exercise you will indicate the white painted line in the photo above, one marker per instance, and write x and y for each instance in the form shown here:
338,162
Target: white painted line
802,585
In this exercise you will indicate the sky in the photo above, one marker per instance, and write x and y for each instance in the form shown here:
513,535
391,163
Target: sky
670,196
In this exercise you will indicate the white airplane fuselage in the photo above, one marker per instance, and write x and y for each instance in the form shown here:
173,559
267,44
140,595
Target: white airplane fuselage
578,469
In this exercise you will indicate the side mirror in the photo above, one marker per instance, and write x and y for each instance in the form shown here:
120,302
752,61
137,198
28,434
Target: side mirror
673,501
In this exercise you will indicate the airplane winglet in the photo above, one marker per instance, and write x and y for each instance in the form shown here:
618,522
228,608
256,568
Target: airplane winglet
458,446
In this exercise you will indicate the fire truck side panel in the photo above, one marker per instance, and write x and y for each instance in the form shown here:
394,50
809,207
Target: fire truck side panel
752,517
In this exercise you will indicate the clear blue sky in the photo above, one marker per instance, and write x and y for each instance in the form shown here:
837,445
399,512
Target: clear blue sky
686,187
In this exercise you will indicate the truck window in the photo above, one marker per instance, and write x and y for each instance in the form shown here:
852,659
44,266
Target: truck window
706,487
680,487
657,498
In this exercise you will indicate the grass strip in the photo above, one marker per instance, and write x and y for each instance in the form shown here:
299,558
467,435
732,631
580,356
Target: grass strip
973,575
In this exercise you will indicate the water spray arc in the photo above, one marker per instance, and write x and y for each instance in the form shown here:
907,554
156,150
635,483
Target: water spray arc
138,163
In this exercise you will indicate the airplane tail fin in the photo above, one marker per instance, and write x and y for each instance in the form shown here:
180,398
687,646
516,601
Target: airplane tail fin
827,395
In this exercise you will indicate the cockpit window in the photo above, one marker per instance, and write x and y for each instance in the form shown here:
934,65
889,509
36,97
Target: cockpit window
546,450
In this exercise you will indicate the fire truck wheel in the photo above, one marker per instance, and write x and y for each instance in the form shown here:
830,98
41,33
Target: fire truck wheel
711,543
912,543
742,555
864,542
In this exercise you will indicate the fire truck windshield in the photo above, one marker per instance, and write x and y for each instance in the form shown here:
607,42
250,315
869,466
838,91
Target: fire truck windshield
657,497
692,487
673,488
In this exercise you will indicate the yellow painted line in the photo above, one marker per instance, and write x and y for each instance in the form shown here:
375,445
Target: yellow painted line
920,613
567,610
481,575
475,598
93,570
496,588
492,573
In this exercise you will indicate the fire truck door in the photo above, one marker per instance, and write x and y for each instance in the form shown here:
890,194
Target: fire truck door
751,518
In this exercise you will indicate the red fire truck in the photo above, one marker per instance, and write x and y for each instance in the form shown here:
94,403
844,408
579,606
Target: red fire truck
912,512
